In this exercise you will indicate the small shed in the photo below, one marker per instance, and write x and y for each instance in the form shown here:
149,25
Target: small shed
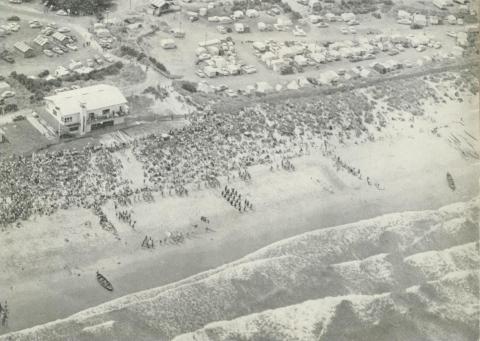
419,21
24,49
42,41
60,37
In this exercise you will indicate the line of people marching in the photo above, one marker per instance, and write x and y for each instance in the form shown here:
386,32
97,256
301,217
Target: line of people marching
126,217
235,199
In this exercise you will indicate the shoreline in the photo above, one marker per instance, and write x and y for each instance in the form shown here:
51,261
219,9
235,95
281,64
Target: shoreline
61,253
236,236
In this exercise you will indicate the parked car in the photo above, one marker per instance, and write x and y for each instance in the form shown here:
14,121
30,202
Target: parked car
108,58
6,56
231,93
223,72
47,31
63,48
72,47
90,62
200,74
48,53
63,29
98,59
34,24
19,118
8,94
14,27
57,50
61,12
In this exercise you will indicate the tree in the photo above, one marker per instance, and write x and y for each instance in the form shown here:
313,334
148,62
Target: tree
80,7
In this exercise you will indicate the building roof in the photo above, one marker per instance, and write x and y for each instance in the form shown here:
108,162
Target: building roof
59,36
22,46
41,40
95,97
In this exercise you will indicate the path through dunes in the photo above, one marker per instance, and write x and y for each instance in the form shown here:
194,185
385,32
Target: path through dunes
402,276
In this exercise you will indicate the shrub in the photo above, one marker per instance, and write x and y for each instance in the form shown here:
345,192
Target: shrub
130,51
189,86
44,74
157,64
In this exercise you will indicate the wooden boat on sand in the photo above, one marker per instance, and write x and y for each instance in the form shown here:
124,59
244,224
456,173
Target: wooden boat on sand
104,282
450,181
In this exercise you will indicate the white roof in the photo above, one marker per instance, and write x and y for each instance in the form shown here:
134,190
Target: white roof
22,46
95,97
59,36
41,40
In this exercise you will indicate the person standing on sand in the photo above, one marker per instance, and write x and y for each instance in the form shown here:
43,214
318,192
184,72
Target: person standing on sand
4,315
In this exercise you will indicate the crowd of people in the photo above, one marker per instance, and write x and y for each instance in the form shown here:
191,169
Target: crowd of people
217,143
43,183
235,199
179,237
126,217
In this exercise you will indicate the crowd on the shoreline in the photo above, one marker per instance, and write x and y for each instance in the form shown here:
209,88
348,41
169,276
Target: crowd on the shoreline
216,143
177,237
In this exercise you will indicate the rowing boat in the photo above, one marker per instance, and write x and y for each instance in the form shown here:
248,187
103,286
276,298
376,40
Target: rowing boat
104,282
450,181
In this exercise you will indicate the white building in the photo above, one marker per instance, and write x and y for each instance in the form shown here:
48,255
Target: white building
85,109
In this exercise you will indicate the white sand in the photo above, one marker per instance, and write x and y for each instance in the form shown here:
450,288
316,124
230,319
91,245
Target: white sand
57,276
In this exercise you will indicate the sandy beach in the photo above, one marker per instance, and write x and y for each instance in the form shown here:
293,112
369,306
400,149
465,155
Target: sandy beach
59,254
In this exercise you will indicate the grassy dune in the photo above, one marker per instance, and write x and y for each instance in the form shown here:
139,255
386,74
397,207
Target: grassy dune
400,276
